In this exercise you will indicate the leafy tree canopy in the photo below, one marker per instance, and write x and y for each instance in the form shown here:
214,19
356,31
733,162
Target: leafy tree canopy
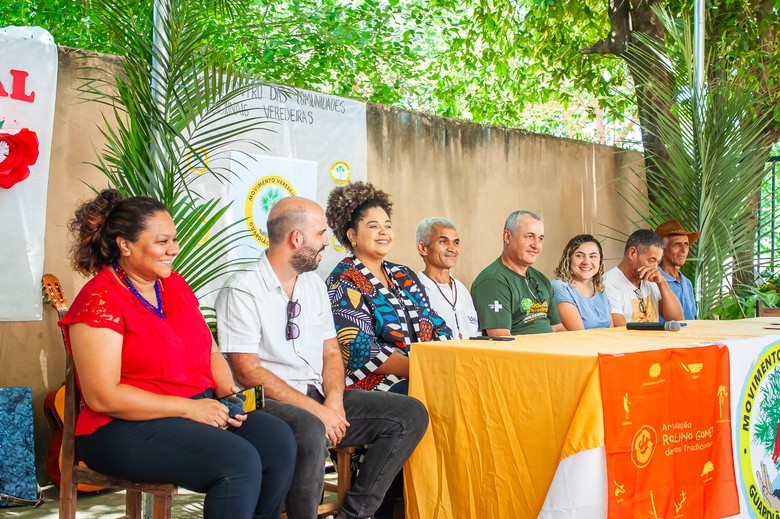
516,63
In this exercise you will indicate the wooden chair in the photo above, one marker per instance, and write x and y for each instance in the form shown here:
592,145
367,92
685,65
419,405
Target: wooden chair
343,481
763,311
73,473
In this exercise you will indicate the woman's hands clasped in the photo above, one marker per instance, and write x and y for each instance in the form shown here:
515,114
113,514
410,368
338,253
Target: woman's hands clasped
213,412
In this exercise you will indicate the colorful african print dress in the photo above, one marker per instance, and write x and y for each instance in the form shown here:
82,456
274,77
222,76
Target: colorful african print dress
372,322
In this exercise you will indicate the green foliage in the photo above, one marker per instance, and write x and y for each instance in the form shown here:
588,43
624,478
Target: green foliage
522,54
717,151
765,429
770,281
515,63
164,118
355,49
500,63
75,23
741,302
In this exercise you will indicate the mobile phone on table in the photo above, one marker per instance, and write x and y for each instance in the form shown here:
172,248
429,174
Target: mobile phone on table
489,338
244,401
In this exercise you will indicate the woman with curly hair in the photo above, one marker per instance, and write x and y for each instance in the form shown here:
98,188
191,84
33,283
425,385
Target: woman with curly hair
379,307
579,287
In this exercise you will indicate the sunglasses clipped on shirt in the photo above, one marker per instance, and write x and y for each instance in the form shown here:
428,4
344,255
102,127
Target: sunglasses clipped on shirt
534,285
291,330
642,305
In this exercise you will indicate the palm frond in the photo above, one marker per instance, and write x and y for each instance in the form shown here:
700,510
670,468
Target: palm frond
204,244
715,163
166,112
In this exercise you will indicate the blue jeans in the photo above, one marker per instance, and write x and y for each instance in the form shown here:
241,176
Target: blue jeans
391,424
245,472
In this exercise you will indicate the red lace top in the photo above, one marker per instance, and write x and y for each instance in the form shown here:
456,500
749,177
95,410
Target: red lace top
170,356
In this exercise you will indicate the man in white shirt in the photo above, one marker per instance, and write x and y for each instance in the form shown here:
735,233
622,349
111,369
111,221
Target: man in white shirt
276,326
636,289
439,245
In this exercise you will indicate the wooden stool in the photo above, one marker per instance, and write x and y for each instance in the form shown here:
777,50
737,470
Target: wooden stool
343,481
74,474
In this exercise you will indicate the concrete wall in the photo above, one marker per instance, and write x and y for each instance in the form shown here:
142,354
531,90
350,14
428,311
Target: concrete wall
475,175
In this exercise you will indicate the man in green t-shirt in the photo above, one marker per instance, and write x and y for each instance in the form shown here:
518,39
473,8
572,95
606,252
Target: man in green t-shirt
512,297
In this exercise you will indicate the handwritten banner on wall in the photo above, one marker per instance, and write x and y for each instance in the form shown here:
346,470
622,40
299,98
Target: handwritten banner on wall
314,143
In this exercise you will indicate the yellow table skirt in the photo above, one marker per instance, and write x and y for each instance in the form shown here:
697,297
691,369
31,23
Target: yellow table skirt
500,412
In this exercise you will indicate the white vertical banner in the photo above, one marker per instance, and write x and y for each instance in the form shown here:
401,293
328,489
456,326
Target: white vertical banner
28,88
755,410
315,142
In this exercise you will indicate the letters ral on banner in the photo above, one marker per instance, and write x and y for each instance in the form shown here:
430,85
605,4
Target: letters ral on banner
28,88
667,432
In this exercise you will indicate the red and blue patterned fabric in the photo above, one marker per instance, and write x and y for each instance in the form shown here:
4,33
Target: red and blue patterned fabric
373,321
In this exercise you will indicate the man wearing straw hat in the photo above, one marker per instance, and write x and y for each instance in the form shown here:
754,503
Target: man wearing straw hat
677,244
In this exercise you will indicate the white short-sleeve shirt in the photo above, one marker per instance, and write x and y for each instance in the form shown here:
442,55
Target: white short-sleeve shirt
252,318
624,297
462,320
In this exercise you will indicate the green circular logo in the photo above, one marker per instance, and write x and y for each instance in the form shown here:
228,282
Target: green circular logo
526,304
261,197
757,434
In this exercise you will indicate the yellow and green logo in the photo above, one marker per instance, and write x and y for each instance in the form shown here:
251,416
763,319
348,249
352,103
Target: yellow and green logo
340,173
757,435
261,197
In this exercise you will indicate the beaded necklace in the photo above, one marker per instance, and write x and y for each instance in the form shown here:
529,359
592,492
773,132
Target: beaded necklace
453,303
158,310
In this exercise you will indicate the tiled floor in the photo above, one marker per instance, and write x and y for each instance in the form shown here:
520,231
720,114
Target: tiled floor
110,505
104,505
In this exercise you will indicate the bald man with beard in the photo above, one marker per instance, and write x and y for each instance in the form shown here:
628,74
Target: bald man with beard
276,326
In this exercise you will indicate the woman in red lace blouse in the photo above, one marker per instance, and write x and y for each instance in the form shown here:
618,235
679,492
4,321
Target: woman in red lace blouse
150,372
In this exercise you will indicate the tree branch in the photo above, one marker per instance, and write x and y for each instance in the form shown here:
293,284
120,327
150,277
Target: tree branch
619,33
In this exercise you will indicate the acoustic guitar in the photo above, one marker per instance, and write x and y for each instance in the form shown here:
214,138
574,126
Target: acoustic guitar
54,403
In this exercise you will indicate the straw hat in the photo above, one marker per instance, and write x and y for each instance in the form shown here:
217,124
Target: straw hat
673,228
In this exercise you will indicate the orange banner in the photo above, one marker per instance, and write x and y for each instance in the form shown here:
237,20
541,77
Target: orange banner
667,432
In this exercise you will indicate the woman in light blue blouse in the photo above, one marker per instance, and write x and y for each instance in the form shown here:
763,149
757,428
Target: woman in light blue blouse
579,289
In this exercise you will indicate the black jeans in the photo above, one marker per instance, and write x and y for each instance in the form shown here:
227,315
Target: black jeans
392,424
386,510
245,472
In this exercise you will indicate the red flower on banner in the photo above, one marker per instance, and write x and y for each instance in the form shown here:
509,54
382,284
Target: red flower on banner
18,151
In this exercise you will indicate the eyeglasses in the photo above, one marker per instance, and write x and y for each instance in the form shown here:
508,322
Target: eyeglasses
642,306
534,285
291,330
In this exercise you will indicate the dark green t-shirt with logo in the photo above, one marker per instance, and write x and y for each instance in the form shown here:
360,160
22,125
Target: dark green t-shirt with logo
522,304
